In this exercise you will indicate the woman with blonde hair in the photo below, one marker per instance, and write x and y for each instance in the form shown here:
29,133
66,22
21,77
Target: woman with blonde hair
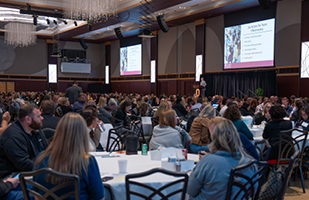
208,179
164,105
102,102
199,129
166,134
72,158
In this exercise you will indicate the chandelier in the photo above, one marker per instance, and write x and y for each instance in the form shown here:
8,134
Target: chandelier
19,34
91,10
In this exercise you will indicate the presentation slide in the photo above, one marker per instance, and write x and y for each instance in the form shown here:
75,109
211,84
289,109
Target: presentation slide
131,60
249,45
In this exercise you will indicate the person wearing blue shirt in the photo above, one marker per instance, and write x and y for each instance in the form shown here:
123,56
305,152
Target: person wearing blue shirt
68,153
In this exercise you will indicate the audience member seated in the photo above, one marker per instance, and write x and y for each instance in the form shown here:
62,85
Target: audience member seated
63,107
112,106
179,107
6,118
227,102
101,107
303,122
199,130
121,113
210,176
80,104
21,142
68,153
274,127
285,104
295,114
264,115
49,120
166,134
253,106
245,110
164,105
197,103
232,113
90,115
246,143
92,104
155,101
136,110
261,106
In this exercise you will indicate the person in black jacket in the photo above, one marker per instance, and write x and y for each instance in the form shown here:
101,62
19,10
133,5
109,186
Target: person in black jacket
49,121
274,127
21,142
121,113
179,107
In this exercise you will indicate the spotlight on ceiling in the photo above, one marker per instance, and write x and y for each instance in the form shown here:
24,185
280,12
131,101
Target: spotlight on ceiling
48,21
75,23
55,22
90,27
35,20
65,22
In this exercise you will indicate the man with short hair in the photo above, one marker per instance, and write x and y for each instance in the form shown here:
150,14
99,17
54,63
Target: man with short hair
285,104
50,121
80,104
73,92
21,142
203,86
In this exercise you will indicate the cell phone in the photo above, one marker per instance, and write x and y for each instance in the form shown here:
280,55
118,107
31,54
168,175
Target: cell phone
107,178
17,176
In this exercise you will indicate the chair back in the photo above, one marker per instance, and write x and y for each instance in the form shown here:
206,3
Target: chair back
49,134
182,178
116,122
155,121
194,112
264,149
116,138
69,181
288,145
245,182
288,173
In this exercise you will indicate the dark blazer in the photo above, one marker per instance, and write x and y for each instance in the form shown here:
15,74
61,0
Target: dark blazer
180,108
272,133
49,121
72,93
18,149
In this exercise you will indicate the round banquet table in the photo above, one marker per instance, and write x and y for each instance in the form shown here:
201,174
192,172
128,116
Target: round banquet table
108,165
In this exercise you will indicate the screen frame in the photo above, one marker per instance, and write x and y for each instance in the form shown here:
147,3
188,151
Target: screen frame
141,60
252,68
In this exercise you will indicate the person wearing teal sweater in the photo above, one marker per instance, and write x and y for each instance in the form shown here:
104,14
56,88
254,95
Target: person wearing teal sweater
232,113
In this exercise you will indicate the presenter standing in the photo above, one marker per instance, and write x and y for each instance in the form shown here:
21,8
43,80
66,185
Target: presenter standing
203,86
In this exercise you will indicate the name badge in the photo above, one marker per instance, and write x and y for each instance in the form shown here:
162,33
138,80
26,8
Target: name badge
304,124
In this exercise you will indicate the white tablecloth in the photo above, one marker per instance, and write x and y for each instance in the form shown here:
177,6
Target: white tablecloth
136,163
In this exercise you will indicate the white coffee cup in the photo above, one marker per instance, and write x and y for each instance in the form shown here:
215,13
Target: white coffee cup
122,164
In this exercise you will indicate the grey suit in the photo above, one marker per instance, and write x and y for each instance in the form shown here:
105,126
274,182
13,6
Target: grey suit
72,93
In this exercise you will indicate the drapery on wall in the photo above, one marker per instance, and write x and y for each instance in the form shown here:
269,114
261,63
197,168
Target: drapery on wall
228,83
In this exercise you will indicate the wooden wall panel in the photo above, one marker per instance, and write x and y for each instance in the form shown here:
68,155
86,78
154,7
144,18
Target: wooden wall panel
3,86
303,87
287,86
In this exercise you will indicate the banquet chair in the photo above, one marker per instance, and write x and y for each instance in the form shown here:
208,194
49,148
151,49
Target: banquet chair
182,181
242,186
69,181
287,176
116,138
264,149
287,147
116,122
49,134
138,131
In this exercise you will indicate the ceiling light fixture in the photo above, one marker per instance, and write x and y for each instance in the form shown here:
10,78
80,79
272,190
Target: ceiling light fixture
91,10
35,20
55,22
47,20
20,34
75,23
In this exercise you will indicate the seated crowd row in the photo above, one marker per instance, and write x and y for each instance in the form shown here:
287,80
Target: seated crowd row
22,143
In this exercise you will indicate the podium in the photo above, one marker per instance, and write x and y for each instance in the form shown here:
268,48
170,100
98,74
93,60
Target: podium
198,90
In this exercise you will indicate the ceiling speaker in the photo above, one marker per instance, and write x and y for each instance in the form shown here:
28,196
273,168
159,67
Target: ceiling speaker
118,33
265,4
163,26
83,44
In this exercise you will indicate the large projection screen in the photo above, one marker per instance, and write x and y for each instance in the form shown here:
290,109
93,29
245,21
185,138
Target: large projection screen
249,45
131,60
